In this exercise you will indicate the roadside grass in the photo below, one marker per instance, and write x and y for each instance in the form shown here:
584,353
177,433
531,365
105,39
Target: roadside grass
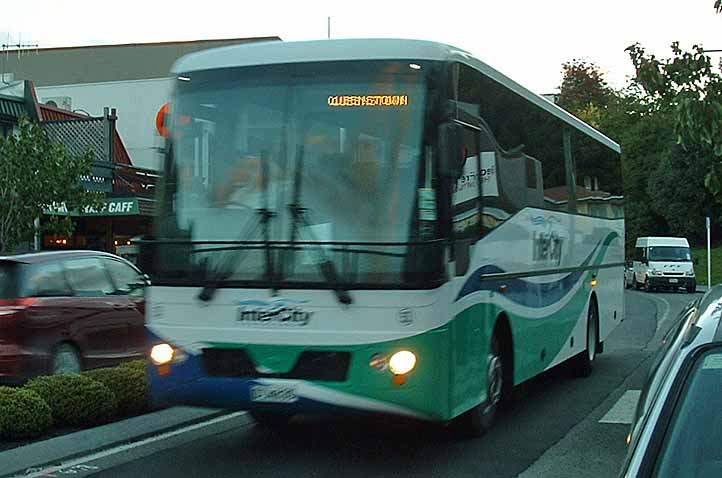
700,269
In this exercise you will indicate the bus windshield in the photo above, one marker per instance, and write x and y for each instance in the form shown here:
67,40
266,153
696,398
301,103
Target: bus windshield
325,152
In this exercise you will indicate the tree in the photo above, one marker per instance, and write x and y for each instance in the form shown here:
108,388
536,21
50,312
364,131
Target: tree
583,88
689,88
36,173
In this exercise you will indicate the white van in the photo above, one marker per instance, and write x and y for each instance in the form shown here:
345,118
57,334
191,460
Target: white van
663,262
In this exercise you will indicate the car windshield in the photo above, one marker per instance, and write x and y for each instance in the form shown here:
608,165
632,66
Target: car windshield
670,254
314,153
691,445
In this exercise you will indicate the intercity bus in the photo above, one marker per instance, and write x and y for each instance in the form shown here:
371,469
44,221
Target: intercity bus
375,226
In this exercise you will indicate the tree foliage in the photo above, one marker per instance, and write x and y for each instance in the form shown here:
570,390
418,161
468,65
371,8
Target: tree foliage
663,182
689,87
584,91
35,173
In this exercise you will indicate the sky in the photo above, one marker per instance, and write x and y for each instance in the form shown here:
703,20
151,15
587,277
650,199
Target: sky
526,40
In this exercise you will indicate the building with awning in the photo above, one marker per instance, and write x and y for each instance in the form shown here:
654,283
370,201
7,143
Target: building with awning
128,205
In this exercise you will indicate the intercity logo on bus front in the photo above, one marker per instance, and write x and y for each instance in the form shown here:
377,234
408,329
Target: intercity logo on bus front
282,312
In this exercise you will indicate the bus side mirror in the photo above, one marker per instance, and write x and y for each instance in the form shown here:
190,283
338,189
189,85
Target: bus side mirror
451,157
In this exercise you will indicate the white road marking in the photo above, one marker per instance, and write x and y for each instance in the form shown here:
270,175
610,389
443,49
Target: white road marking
72,466
623,411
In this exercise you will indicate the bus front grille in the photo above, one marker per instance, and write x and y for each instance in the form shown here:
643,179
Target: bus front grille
324,366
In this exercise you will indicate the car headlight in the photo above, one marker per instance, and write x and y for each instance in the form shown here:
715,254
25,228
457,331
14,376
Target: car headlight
689,273
402,362
655,273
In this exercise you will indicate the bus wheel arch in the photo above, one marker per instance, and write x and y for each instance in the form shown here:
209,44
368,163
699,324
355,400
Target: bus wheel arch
499,373
503,333
583,362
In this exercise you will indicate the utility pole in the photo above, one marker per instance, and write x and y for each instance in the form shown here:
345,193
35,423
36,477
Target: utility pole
328,28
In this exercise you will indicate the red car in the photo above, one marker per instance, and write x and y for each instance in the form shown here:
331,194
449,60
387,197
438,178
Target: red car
67,311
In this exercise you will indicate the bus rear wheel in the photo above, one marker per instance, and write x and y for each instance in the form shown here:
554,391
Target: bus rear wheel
584,362
479,419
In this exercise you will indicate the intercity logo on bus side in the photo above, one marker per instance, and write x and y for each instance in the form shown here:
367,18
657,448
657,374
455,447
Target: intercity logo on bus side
547,244
282,312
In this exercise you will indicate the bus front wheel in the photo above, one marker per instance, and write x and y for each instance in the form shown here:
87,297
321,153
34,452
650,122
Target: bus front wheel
476,421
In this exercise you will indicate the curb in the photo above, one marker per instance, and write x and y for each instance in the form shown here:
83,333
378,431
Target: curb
73,445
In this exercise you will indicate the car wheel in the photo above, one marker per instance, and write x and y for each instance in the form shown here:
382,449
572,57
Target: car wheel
583,363
692,289
66,359
270,419
479,419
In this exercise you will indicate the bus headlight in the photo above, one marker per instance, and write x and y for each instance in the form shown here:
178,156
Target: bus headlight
402,362
161,354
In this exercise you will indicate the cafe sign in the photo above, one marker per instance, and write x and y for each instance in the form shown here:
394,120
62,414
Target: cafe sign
110,207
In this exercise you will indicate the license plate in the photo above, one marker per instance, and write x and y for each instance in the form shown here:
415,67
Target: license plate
672,281
273,394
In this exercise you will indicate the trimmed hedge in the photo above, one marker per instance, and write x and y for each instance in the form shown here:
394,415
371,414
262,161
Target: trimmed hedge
23,414
76,400
136,364
129,384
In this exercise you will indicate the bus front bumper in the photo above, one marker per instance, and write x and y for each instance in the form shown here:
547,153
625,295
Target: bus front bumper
220,377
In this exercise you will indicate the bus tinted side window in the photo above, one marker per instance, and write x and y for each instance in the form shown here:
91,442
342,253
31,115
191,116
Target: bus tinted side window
527,145
598,178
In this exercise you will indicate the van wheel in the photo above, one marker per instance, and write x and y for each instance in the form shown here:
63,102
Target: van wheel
583,363
647,287
479,419
66,359
692,289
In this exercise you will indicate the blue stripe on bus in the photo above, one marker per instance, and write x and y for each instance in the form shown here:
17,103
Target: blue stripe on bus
522,292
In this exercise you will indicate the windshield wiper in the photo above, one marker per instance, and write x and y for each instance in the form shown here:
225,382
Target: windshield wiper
298,216
264,216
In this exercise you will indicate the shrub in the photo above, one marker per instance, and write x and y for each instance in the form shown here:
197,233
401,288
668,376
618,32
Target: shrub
140,364
129,384
23,414
75,400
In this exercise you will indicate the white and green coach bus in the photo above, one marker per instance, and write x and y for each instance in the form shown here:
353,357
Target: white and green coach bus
375,226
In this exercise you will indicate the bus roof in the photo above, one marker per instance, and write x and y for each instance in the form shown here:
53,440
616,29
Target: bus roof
276,52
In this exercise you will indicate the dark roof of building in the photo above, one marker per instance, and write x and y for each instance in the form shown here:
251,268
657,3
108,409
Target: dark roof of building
11,107
102,63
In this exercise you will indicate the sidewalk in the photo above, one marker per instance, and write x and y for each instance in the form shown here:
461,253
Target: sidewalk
65,447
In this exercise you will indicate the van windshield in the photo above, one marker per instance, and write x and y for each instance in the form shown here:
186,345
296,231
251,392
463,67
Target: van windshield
670,254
